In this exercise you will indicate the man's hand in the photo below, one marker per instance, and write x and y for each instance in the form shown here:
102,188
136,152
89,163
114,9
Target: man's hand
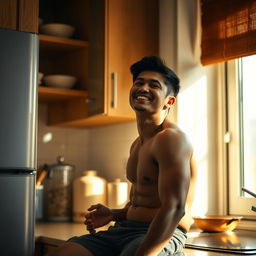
100,216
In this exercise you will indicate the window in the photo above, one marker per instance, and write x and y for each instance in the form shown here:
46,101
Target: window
241,124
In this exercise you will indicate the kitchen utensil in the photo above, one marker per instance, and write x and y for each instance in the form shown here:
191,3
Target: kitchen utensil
57,29
58,191
88,190
60,81
217,223
41,174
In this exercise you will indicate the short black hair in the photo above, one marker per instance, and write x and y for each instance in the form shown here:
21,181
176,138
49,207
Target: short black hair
153,63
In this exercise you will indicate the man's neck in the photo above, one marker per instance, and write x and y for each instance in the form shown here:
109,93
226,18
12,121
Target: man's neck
149,125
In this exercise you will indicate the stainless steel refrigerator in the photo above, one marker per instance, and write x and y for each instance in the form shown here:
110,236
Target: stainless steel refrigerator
18,129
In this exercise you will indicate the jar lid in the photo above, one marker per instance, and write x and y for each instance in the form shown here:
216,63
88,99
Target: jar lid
90,173
61,165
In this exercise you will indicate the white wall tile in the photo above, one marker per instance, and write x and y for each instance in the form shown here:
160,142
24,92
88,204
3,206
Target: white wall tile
105,149
71,143
109,149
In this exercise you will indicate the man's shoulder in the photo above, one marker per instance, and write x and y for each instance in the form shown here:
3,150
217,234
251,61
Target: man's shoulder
170,138
171,133
135,142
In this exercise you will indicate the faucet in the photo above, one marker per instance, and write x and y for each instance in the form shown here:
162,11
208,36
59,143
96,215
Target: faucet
252,194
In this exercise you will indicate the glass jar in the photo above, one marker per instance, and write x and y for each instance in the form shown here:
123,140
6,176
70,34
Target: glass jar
58,191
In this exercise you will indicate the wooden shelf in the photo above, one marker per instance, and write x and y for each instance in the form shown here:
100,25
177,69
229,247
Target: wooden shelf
55,45
49,94
94,121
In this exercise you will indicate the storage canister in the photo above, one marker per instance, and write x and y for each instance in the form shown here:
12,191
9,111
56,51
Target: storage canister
117,194
58,191
87,190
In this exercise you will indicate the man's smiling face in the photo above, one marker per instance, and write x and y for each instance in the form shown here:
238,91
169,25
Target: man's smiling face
149,92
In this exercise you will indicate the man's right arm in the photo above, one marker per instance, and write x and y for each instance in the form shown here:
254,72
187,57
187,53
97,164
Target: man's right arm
101,215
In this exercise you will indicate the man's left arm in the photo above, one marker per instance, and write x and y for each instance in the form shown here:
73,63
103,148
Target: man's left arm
172,153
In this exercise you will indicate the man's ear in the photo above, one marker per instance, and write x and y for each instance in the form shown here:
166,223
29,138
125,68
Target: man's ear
171,101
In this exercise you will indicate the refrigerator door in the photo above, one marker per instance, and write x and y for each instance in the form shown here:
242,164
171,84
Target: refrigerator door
18,99
17,218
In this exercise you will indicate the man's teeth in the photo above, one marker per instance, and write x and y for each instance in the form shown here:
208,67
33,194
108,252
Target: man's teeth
142,98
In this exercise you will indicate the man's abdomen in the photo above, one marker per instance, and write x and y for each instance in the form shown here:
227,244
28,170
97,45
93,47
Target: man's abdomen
141,213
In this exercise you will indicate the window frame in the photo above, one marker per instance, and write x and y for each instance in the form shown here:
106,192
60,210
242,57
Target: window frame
237,204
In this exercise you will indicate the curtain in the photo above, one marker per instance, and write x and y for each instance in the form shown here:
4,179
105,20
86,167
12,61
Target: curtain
228,30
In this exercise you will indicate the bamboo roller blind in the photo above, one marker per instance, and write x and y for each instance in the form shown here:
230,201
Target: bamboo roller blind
228,30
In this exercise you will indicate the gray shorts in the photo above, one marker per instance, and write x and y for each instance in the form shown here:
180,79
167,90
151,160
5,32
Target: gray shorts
124,238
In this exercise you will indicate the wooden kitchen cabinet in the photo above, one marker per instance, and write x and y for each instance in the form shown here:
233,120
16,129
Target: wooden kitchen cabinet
119,32
110,35
19,15
67,56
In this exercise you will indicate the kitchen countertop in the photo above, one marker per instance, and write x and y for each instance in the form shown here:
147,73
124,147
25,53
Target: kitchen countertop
55,233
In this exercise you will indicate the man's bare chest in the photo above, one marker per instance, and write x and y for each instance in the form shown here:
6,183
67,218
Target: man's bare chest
142,167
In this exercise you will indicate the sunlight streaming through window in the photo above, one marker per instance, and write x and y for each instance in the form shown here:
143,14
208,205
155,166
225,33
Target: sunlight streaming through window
192,113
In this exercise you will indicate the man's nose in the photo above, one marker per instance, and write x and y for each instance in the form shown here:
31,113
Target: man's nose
144,88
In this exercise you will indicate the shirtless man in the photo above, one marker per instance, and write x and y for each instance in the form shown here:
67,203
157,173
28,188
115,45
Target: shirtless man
161,170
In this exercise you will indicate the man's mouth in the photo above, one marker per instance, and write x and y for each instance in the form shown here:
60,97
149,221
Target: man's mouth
142,97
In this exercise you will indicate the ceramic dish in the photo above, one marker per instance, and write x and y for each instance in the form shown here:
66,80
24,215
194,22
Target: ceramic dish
60,81
57,29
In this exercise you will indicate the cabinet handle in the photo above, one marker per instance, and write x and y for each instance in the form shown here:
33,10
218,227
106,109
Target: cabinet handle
89,100
114,89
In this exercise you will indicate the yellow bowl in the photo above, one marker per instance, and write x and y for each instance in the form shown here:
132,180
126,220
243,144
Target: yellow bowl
217,223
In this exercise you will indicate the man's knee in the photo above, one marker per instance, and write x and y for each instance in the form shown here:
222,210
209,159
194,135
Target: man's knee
71,249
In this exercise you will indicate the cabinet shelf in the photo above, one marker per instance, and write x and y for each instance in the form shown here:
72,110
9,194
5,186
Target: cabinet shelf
97,63
48,94
56,45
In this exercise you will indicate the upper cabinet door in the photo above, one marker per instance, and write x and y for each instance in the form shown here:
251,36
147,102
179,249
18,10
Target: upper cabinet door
19,15
120,33
131,32
28,15
8,14
96,65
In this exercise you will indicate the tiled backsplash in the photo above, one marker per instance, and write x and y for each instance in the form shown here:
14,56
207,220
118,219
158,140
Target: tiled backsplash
104,149
55,141
109,149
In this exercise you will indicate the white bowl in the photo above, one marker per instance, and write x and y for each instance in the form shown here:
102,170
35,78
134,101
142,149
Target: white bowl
60,81
40,77
40,21
57,29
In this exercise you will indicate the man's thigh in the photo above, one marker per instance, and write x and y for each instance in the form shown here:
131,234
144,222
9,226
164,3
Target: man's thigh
173,247
71,249
101,243
131,248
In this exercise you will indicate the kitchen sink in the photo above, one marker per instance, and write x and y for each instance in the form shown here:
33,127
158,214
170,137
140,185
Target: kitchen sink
241,242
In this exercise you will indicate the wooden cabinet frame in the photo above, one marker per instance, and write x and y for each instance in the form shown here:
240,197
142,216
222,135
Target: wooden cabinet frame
19,15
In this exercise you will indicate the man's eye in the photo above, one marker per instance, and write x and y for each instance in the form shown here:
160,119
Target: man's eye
138,83
155,86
